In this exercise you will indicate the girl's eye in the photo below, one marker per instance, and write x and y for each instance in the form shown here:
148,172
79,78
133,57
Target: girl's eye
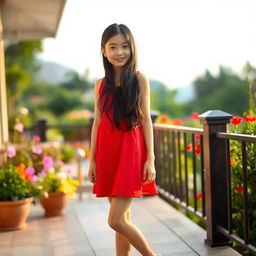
112,47
126,46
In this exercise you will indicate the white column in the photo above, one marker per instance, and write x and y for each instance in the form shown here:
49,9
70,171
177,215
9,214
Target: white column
3,100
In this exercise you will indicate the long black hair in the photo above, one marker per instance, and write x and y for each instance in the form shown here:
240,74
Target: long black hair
125,101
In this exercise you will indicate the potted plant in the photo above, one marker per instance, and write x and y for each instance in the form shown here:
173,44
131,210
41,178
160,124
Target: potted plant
58,186
41,164
48,174
16,195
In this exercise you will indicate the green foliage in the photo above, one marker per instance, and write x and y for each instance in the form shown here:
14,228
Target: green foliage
162,99
219,92
57,182
54,101
67,152
13,187
17,80
237,184
19,65
23,54
77,82
63,101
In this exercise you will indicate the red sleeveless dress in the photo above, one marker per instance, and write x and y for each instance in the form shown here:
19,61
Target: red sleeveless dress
120,158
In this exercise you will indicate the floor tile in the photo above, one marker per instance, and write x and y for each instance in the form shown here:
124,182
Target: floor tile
84,231
32,251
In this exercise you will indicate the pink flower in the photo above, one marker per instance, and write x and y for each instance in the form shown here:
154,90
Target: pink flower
19,127
11,151
60,162
42,173
37,149
36,139
47,162
69,172
34,179
30,171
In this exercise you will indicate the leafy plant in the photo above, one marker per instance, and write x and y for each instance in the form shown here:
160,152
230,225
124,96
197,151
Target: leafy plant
14,187
238,186
58,182
34,168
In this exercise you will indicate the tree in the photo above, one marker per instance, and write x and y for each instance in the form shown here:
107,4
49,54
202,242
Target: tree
162,99
77,82
20,65
62,101
250,76
219,92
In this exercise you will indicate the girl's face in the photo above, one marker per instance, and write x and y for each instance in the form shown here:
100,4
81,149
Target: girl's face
117,51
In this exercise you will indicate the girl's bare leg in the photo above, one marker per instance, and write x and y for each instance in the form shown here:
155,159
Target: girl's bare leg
117,221
123,246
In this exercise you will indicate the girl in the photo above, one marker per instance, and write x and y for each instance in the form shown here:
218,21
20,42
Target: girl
122,157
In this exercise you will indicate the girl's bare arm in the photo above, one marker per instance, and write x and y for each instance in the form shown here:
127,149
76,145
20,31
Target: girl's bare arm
149,171
92,167
96,119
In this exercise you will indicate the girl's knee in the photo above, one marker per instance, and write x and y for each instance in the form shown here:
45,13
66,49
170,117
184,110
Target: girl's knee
116,224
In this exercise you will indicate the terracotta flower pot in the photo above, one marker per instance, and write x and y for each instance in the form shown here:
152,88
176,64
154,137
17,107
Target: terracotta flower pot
13,214
54,204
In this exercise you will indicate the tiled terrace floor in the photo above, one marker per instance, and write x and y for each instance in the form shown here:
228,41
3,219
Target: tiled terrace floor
83,231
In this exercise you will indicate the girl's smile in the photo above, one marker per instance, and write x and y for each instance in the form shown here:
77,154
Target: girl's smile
117,50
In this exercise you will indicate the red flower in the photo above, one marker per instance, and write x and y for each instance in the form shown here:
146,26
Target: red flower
177,121
194,115
250,119
239,189
164,119
236,120
199,196
232,150
197,149
189,147
197,136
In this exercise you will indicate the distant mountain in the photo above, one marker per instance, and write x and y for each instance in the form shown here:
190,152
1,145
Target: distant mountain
51,72
185,94
156,85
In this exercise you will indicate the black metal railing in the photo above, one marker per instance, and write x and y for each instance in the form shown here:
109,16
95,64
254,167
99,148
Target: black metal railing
180,178
243,238
68,132
202,180
194,171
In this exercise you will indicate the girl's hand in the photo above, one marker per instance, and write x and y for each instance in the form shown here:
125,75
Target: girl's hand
149,172
92,171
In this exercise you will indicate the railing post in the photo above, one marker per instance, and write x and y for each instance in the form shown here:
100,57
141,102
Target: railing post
42,128
154,115
216,198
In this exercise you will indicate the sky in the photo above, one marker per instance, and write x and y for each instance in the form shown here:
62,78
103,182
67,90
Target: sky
177,40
